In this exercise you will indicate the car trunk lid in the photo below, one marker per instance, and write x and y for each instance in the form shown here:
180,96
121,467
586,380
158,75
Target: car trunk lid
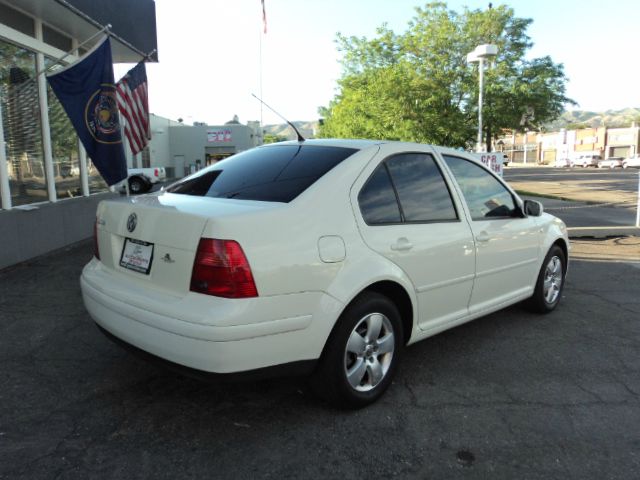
153,239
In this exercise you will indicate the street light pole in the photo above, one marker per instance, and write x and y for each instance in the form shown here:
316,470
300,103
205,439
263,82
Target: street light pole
478,55
479,147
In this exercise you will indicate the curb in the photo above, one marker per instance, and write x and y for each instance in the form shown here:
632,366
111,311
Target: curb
603,232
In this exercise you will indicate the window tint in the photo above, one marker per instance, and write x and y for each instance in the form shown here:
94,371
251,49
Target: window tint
15,19
423,194
377,199
414,180
272,174
58,40
484,194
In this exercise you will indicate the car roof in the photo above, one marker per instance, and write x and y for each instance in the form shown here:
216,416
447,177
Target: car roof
332,142
358,144
361,144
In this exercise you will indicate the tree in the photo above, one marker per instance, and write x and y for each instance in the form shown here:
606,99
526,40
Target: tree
577,125
417,86
272,138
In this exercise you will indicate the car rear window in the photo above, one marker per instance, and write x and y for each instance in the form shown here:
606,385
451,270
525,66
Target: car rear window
270,174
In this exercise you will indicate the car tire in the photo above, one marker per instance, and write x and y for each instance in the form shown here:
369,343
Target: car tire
137,185
550,282
362,353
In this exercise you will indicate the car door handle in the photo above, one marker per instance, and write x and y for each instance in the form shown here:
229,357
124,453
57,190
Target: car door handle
402,244
483,237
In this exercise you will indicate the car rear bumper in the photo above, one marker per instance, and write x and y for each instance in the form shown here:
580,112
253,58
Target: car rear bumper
208,333
292,369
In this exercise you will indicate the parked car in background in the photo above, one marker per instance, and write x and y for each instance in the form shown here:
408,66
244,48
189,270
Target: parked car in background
586,160
631,162
142,179
611,162
236,268
562,163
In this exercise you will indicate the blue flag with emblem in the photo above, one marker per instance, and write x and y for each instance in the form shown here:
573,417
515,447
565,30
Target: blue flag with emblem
87,92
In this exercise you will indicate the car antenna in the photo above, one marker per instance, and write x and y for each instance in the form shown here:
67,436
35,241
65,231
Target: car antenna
300,137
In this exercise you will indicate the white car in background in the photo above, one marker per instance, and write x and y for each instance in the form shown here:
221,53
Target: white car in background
631,162
586,160
611,162
562,163
323,257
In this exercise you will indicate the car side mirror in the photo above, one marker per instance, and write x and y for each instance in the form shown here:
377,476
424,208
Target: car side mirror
533,208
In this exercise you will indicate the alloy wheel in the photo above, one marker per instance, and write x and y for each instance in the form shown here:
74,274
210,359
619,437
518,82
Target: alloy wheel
552,280
369,352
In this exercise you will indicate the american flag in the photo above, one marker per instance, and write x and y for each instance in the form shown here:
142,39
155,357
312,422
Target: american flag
133,104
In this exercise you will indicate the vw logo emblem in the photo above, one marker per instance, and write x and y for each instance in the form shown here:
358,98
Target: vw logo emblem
132,221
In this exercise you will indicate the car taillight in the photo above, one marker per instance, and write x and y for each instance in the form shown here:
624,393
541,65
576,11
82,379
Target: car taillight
221,269
96,250
155,172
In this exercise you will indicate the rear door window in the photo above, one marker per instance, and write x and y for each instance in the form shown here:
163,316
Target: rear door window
271,174
423,194
406,188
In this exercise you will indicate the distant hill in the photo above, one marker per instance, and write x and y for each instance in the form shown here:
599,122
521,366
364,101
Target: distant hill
609,118
307,129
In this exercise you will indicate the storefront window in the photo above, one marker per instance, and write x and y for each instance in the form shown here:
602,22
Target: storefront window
21,123
96,182
64,146
17,20
55,38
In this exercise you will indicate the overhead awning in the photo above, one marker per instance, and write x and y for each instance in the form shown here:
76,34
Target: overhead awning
133,23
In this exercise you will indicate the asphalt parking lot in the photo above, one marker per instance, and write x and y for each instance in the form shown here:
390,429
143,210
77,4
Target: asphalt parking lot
616,186
592,202
511,395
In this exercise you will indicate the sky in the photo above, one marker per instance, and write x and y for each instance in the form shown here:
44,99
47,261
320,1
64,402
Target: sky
214,55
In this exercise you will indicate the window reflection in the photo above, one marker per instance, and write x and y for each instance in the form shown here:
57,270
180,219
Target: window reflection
421,189
64,146
377,199
21,123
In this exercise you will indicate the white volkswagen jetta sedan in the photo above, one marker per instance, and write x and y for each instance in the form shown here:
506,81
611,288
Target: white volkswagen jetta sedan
324,257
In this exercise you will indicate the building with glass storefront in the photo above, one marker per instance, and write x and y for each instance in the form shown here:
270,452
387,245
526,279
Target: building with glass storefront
49,190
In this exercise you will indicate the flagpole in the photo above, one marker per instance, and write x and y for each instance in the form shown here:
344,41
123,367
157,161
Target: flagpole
264,31
148,55
260,77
